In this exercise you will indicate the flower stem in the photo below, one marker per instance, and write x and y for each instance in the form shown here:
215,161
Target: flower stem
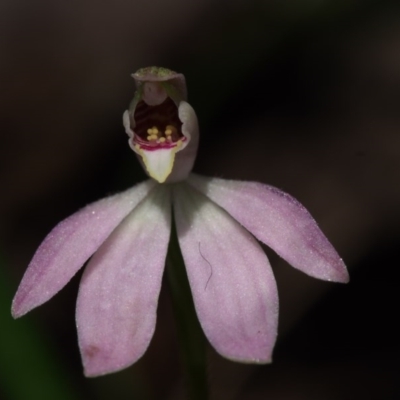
190,334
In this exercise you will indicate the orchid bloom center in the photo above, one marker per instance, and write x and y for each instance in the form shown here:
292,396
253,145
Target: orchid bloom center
161,125
157,126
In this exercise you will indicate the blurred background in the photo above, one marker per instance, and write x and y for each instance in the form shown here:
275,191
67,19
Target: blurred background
300,94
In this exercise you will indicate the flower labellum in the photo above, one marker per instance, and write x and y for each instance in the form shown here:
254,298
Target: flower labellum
161,125
217,223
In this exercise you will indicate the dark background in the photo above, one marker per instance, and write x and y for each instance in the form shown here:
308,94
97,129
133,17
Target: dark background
300,94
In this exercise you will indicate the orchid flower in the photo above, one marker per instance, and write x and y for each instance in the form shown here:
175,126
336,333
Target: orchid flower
126,237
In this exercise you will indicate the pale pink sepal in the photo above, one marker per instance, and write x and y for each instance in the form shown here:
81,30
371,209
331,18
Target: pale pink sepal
278,220
70,244
232,283
118,294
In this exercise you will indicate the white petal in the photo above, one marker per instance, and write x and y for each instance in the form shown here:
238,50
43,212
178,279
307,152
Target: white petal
185,158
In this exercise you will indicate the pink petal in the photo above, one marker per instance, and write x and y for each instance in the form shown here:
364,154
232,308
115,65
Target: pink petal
233,287
69,245
278,220
118,295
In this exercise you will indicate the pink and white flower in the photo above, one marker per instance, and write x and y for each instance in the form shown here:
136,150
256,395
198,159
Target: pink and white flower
126,237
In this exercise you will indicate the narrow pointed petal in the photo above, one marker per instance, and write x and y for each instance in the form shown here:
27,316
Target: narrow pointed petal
118,295
278,220
233,286
184,159
70,244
